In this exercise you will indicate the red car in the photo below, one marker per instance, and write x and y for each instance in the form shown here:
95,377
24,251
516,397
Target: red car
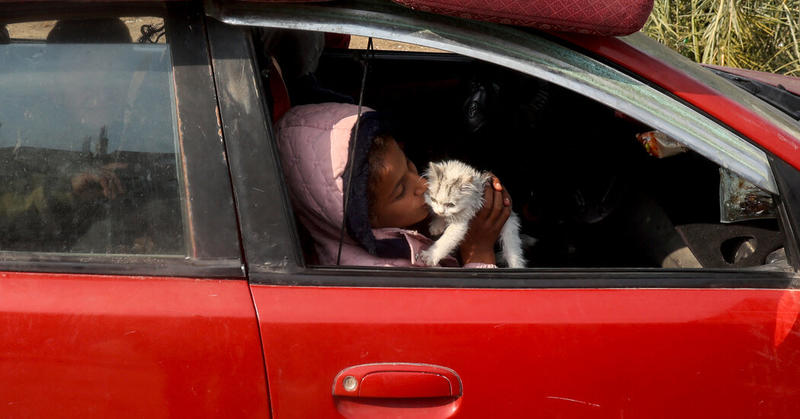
152,265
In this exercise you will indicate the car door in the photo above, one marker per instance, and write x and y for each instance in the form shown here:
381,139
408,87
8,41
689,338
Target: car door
121,287
544,342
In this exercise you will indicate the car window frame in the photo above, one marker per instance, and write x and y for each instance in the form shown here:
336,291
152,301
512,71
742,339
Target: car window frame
212,241
276,259
255,169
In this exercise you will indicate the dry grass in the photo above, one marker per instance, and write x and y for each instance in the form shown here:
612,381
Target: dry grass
360,42
38,30
757,35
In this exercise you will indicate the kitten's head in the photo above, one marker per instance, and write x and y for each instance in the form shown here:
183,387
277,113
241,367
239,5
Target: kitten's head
453,187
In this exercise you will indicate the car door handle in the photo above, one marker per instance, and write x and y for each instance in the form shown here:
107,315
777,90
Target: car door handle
397,381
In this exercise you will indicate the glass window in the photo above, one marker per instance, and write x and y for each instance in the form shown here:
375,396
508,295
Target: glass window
88,138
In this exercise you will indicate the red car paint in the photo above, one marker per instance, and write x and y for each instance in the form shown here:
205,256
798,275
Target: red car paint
584,353
111,347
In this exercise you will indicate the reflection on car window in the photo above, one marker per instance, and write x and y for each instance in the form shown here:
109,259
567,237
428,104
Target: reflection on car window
88,160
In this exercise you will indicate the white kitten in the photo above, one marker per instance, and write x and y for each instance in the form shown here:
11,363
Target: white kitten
455,195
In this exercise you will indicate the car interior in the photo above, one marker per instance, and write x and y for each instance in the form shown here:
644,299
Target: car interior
587,187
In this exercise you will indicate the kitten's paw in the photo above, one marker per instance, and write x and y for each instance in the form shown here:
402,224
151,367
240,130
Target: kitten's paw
516,262
427,257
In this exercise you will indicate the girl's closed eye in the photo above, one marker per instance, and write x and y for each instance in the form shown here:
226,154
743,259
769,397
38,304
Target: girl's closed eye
400,193
402,186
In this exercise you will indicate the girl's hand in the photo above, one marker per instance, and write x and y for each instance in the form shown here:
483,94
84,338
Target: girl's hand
484,229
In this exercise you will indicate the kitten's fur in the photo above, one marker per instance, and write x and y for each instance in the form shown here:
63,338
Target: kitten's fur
455,195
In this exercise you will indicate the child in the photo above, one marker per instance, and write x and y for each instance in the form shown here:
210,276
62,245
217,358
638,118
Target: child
386,194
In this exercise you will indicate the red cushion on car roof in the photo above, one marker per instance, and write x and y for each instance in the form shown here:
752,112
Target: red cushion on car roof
596,17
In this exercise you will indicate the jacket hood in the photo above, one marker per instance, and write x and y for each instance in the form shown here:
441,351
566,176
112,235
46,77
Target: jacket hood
314,142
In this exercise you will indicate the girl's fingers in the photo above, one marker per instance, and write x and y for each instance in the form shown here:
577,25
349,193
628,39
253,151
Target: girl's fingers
502,209
488,203
496,183
498,200
496,208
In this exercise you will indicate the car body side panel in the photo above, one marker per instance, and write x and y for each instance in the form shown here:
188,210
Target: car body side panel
155,347
590,353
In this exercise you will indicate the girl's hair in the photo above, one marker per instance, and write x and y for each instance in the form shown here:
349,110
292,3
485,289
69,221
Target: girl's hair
377,152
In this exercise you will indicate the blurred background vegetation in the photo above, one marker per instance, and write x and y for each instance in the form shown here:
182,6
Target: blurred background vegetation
757,35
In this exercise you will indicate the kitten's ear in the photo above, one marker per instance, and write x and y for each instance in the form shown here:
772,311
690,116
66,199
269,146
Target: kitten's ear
466,183
436,169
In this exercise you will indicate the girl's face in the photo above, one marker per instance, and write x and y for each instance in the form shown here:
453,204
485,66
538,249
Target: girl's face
399,193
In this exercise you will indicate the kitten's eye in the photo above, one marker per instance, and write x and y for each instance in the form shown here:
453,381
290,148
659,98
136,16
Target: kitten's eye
449,205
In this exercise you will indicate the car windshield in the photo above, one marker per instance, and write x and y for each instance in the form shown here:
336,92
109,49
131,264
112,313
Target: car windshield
777,96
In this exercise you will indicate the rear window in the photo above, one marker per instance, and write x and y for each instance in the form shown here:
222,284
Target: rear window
88,139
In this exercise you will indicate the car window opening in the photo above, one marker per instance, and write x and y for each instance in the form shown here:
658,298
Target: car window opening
593,187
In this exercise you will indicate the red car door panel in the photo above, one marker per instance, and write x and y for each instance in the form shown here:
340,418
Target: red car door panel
128,347
598,353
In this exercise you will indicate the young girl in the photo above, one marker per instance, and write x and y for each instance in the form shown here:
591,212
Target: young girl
385,207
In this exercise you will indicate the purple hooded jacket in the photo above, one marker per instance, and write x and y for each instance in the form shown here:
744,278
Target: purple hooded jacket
313,143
